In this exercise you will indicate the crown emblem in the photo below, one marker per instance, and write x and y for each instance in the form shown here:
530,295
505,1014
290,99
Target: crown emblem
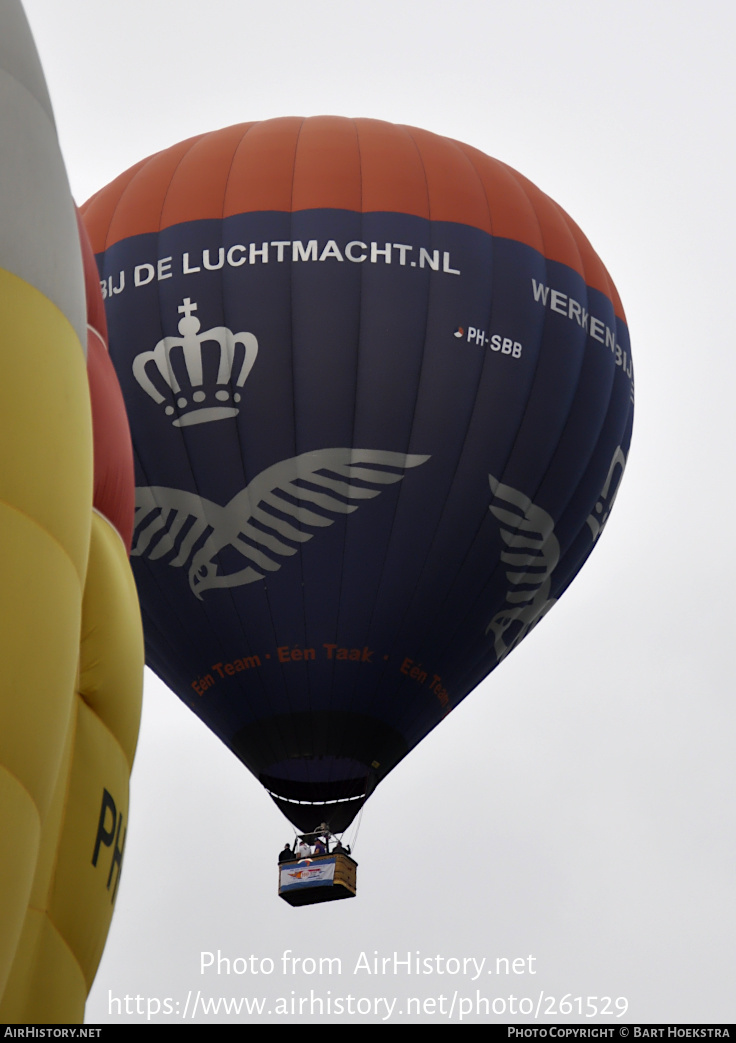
196,381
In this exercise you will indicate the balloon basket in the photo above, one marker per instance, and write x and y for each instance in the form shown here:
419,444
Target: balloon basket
327,878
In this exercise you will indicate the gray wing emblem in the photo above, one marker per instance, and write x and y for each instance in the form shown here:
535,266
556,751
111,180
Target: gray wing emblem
532,554
265,522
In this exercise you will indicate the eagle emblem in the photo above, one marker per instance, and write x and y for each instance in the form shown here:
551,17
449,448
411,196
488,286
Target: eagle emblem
532,554
283,506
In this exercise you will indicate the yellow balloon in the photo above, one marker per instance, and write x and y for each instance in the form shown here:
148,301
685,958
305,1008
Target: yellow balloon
70,637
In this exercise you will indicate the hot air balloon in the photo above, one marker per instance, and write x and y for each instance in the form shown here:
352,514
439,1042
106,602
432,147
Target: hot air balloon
71,638
381,395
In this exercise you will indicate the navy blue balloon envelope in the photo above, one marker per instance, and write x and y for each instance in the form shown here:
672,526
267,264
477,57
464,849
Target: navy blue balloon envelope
381,396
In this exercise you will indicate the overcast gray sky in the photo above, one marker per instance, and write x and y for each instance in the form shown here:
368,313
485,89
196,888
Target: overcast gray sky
576,812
